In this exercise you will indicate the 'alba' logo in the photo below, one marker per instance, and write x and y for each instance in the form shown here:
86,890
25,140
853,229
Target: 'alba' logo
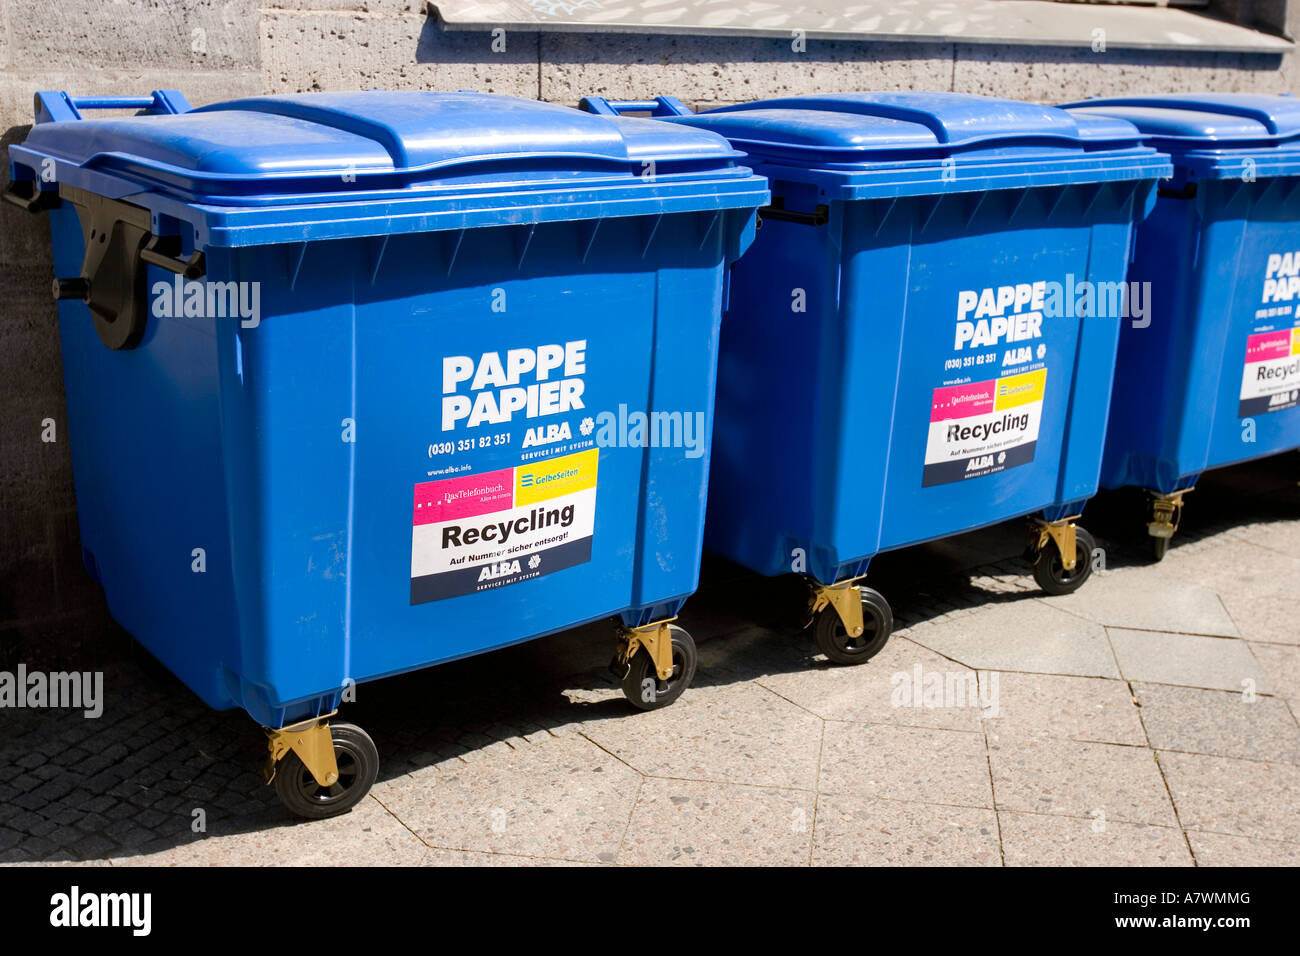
501,569
547,435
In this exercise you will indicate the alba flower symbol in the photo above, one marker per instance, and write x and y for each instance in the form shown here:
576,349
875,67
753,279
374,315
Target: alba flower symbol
587,426
534,561
1002,457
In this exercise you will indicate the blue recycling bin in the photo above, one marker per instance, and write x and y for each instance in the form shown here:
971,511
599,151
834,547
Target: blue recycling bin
903,356
1213,378
350,377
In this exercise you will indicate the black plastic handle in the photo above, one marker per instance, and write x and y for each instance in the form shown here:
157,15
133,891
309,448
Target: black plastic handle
165,253
25,194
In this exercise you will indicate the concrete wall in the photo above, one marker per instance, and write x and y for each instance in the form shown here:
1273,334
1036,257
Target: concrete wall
216,51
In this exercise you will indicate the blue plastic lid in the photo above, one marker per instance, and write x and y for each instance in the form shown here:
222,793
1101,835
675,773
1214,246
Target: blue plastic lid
1212,134
486,159
913,142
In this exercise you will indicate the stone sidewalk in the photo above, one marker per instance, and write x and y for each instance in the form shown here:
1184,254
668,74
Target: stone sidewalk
1149,719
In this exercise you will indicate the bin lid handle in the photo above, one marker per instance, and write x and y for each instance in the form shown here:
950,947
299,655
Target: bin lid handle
54,106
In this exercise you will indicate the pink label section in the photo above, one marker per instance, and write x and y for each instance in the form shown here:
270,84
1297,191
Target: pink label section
464,497
960,401
1268,345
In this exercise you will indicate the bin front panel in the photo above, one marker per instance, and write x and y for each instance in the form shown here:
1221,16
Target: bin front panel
1000,410
500,509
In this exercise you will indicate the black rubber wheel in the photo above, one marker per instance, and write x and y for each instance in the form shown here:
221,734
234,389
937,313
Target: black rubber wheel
1050,573
358,761
642,685
834,641
1159,547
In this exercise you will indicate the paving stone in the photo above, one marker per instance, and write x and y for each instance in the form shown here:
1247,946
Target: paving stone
853,830
1236,797
9,839
888,689
1144,599
1218,849
29,801
1280,537
1025,635
1080,708
1030,839
731,734
439,856
680,822
93,846
906,763
365,836
1256,585
565,799
1282,667
42,827
1218,722
1073,778
1187,660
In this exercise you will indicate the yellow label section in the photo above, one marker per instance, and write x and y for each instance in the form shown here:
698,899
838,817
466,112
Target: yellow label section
559,476
1295,341
1020,389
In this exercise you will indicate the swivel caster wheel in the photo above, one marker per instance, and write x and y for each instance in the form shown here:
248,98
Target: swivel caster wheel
1050,571
358,766
834,640
1166,513
643,686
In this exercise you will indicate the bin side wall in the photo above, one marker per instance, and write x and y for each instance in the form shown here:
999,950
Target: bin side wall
1207,260
49,606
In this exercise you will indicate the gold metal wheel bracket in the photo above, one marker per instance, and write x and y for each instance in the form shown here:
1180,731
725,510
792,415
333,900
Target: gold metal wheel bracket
1166,512
657,639
1062,534
846,598
312,741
